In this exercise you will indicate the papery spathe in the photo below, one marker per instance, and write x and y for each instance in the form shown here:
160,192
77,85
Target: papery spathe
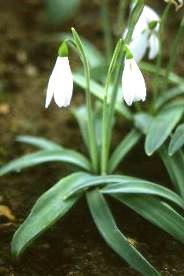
178,3
133,83
60,85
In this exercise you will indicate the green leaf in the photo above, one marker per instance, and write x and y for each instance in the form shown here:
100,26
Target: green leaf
169,95
143,188
177,103
80,114
61,10
126,184
99,73
160,129
95,58
94,180
177,140
133,19
142,121
151,68
98,91
81,117
48,209
33,159
157,212
174,165
39,142
107,227
123,148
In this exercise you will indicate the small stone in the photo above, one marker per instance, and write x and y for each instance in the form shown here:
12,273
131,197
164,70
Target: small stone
4,109
31,70
21,56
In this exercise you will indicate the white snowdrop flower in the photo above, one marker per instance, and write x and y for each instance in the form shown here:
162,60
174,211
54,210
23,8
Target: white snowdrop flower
145,35
153,46
133,83
60,85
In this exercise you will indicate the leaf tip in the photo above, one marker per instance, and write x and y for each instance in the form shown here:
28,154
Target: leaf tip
170,153
148,151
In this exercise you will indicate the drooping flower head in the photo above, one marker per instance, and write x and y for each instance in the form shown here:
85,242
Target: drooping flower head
145,35
133,83
60,85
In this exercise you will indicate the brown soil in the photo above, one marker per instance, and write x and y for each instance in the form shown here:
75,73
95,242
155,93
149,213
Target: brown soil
73,246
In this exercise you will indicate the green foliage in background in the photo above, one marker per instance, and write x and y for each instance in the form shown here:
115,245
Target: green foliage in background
61,10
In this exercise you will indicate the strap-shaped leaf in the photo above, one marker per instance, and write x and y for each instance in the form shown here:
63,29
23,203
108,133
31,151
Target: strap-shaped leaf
132,186
177,103
107,227
177,140
123,148
152,68
49,208
40,157
81,117
142,121
39,142
98,91
157,212
169,95
174,165
93,181
161,127
95,57
143,188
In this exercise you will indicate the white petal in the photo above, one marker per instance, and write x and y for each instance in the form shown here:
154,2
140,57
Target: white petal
127,87
148,15
133,84
49,95
138,46
50,91
153,46
140,36
61,82
139,82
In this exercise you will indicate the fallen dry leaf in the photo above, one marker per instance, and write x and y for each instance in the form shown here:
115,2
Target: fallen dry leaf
4,109
6,212
132,242
6,227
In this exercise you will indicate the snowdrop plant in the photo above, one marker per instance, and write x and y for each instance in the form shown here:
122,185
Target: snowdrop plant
95,173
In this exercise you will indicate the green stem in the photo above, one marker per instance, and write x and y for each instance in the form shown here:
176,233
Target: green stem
121,16
160,54
107,29
174,52
91,127
105,123
110,108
